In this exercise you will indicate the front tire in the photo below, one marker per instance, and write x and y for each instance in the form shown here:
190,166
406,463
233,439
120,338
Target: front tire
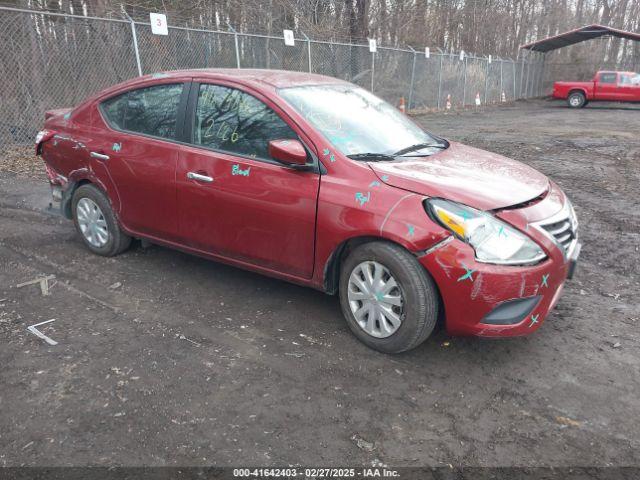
388,299
96,223
576,100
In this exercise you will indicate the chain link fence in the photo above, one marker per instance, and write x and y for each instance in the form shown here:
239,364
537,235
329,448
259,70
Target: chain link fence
53,60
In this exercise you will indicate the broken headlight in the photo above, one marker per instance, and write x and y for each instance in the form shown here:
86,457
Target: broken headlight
493,240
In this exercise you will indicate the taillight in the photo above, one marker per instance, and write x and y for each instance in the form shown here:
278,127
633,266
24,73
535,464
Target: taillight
41,137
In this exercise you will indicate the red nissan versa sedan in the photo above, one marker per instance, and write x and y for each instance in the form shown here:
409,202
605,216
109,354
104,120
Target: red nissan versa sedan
316,181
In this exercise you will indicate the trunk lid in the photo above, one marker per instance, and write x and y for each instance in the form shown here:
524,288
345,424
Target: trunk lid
56,112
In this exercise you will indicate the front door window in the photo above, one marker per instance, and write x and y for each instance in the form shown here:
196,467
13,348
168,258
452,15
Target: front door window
232,121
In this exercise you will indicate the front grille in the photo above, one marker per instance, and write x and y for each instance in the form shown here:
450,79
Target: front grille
563,228
562,232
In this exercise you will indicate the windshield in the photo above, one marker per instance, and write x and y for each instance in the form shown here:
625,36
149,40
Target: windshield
357,122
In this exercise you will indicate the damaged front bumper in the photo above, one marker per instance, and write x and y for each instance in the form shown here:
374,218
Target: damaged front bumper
505,300
493,300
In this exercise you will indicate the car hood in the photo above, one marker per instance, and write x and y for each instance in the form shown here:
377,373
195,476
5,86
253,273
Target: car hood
468,175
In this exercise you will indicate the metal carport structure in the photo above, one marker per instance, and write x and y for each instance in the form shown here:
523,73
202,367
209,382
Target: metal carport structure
571,37
578,35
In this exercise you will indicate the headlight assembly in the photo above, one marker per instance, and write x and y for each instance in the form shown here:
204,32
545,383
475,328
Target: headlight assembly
493,240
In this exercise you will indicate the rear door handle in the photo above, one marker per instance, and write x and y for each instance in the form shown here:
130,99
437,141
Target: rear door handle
99,156
199,177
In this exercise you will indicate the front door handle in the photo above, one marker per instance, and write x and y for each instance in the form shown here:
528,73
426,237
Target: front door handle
99,156
199,177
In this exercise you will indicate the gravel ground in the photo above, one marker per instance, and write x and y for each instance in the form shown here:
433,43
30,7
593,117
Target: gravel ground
21,162
168,359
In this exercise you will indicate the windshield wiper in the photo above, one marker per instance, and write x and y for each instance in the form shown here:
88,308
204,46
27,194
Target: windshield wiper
419,146
371,156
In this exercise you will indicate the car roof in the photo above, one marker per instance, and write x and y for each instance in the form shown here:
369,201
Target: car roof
275,78
257,77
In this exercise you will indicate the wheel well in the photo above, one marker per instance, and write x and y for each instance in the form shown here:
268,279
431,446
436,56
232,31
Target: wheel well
332,268
577,90
68,196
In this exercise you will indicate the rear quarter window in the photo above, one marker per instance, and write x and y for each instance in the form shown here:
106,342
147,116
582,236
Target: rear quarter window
113,110
149,111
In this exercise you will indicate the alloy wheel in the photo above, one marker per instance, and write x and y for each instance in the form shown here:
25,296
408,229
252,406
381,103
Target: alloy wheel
92,223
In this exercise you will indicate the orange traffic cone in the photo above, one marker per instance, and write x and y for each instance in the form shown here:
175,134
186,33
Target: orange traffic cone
478,99
401,105
448,104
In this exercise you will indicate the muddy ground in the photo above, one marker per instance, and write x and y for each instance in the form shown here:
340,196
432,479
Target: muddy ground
168,359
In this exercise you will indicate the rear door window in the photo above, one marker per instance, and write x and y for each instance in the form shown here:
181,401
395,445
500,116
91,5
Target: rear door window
149,111
607,78
233,121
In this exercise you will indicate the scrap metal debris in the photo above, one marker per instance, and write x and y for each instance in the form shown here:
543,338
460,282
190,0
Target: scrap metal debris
38,333
182,337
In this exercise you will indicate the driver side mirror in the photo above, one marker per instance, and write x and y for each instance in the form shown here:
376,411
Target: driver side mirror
290,152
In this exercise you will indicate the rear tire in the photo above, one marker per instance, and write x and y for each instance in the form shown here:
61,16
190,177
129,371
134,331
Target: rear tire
96,223
386,326
576,100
